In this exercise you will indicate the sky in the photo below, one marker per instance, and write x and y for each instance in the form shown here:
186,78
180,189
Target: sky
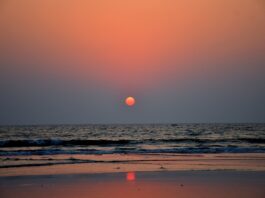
75,61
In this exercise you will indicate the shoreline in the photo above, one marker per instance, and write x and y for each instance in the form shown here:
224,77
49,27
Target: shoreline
142,176
115,163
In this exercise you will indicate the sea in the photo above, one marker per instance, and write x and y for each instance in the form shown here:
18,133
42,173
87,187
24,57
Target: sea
131,138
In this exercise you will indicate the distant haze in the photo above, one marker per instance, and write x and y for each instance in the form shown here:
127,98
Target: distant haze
183,61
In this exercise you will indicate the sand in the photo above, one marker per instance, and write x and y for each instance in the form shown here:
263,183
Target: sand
165,184
82,164
149,176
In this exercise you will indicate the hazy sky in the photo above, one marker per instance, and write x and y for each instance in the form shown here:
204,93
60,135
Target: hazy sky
75,61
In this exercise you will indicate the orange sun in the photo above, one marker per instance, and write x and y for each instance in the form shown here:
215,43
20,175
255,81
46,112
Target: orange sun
130,101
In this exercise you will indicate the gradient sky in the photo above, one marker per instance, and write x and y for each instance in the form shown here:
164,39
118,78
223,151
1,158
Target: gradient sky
75,61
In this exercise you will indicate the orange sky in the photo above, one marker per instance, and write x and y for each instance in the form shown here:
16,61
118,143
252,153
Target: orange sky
75,61
130,43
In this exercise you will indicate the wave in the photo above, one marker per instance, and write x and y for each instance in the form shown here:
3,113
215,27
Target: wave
106,142
57,142
197,140
184,150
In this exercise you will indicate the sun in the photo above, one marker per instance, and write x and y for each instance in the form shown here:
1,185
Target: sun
130,101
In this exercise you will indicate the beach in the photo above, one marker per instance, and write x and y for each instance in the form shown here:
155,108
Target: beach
166,184
158,161
111,163
167,175
132,99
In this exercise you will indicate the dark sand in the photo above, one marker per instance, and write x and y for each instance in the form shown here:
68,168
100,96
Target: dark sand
163,184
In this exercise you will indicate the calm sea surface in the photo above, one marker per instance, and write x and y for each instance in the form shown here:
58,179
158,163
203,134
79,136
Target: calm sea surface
107,139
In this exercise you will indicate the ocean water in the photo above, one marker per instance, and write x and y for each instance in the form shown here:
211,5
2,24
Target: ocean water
144,138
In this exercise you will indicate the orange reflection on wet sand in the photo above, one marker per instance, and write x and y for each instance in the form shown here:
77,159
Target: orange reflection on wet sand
180,184
130,176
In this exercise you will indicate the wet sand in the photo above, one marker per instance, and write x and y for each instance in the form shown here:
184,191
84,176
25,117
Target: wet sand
82,164
165,184
165,176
